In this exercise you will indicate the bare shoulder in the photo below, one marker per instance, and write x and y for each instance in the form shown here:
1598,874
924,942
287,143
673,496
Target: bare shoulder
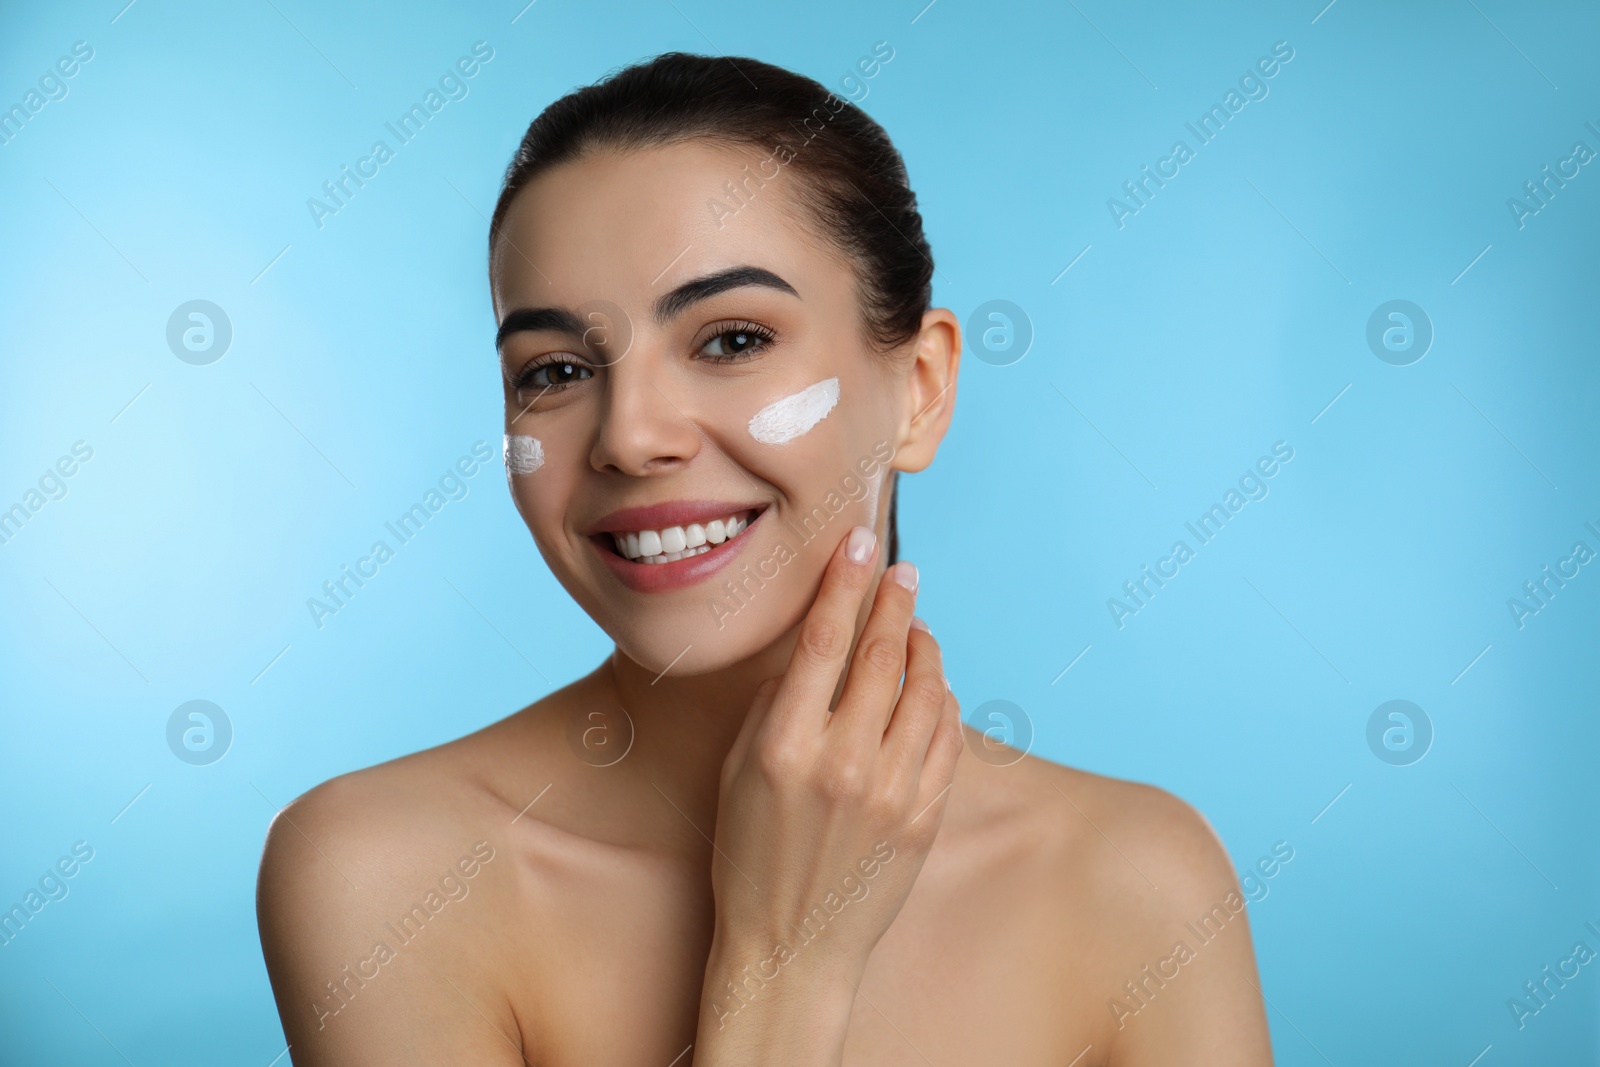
1147,904
1113,837
365,827
374,887
1146,835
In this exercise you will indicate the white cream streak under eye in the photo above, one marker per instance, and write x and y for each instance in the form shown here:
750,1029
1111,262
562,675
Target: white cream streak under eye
788,418
523,454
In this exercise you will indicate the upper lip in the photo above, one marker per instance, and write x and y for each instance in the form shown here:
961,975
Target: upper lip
670,513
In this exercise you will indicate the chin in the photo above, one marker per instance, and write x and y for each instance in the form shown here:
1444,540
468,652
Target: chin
690,653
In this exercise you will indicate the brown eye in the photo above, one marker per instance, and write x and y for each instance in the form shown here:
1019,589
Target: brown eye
554,374
735,342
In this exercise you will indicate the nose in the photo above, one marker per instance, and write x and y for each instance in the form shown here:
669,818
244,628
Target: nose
645,428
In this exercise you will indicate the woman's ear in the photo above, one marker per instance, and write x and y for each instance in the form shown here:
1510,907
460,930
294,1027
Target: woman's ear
930,395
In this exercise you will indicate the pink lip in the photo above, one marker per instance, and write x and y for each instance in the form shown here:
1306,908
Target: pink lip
680,573
671,513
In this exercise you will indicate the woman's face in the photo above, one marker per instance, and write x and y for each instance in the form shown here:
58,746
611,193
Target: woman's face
679,367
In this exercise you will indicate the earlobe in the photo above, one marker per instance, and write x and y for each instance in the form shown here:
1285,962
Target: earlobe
930,390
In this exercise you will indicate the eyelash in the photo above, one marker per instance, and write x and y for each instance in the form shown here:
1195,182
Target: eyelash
524,378
765,337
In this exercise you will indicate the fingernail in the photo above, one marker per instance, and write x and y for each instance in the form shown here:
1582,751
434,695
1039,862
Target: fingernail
905,572
918,624
859,548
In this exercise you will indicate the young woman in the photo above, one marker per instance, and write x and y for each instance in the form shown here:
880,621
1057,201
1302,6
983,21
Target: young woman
757,833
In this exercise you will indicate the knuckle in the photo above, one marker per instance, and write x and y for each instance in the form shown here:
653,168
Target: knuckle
929,691
844,781
884,805
820,638
881,654
778,759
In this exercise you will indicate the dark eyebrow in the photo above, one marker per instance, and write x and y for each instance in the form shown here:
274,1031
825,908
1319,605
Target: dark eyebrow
699,289
560,320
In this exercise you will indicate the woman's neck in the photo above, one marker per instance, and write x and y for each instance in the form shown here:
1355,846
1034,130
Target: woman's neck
683,726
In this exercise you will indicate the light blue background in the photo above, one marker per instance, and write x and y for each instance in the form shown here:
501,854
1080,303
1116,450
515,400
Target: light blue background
1226,315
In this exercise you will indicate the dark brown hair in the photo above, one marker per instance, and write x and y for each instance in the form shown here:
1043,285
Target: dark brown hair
851,178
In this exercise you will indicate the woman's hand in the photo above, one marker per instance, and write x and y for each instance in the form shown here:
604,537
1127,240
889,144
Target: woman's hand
824,818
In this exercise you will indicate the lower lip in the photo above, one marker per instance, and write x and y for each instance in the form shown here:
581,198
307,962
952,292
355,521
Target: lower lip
680,573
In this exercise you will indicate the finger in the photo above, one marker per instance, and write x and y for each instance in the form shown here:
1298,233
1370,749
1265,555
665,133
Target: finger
823,645
923,702
880,659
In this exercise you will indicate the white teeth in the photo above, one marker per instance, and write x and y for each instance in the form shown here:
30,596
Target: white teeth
678,542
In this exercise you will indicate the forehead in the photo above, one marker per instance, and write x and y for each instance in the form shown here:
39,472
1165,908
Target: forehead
628,225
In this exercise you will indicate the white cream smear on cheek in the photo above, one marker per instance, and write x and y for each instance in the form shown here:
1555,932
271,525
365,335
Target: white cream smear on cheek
523,454
784,420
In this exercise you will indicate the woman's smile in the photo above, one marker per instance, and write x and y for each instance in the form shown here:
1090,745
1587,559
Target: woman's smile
673,545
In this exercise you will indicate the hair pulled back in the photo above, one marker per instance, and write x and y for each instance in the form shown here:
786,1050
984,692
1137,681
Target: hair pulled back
846,173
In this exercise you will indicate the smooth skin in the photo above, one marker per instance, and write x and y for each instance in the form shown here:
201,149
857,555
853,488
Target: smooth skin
784,849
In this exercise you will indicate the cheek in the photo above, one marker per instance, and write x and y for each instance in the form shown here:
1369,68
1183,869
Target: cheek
537,488
523,454
793,416
813,441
